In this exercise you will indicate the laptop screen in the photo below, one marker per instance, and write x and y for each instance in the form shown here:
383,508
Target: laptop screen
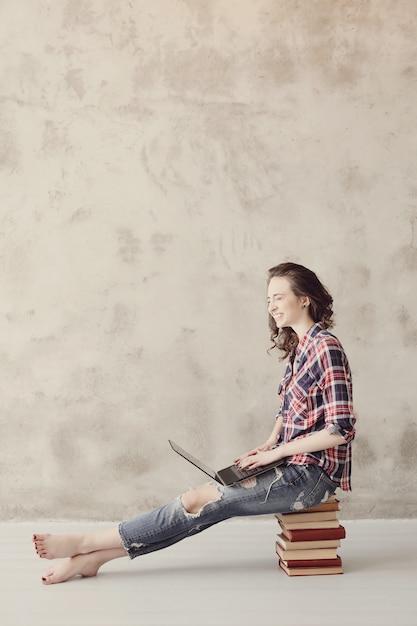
192,459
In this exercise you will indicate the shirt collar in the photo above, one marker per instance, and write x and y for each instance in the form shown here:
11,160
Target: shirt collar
308,338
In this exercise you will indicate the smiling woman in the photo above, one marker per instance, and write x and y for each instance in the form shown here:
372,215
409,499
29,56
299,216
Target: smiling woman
287,309
295,295
311,442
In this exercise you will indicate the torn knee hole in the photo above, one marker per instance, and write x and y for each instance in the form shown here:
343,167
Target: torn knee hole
195,500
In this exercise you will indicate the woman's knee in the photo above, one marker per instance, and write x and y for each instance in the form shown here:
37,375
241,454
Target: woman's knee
195,499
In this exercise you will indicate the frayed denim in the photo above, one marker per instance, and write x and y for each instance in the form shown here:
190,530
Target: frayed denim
285,489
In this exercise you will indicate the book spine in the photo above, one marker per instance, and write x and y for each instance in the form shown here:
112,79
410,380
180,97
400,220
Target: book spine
337,562
321,553
307,517
315,534
310,525
307,545
310,571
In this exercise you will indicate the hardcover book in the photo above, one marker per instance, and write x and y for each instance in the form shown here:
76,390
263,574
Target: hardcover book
310,571
314,534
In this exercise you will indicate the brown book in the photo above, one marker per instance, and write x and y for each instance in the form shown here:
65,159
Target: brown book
314,534
310,571
298,518
297,555
306,545
332,504
337,562
332,523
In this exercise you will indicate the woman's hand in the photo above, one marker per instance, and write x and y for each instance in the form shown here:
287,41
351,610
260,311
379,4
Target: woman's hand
242,460
258,458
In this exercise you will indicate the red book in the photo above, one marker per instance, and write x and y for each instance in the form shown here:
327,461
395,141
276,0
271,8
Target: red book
286,544
315,534
310,571
337,562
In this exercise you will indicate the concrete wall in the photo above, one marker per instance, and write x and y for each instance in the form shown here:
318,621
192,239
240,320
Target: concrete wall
156,158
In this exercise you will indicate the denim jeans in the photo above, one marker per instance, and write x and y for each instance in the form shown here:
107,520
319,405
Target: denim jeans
282,490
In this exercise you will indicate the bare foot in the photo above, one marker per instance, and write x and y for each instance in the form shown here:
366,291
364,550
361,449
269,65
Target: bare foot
58,546
85,565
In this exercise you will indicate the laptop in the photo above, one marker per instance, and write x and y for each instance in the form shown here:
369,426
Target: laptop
227,476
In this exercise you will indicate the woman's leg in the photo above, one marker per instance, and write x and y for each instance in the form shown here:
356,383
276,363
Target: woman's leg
57,546
85,565
288,488
285,489
49,546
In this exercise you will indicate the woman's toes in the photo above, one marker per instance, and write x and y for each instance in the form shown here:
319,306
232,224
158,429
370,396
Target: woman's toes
85,565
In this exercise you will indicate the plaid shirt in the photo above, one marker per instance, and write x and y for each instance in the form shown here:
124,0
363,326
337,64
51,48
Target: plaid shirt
316,394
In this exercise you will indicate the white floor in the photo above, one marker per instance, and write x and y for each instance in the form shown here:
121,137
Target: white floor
228,575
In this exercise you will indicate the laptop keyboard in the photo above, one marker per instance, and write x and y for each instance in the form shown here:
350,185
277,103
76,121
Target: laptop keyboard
242,473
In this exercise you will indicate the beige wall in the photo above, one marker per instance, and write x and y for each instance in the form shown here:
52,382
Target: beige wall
155,159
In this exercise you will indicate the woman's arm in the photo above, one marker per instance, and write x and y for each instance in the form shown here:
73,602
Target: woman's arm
312,443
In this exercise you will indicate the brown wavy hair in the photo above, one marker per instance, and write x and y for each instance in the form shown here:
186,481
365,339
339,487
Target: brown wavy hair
303,282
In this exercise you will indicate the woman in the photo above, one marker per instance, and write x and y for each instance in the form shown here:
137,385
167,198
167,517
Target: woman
313,432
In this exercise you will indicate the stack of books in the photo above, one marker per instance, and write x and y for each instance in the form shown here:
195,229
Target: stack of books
308,542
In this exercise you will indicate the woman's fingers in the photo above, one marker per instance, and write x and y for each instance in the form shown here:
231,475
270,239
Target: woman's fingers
243,457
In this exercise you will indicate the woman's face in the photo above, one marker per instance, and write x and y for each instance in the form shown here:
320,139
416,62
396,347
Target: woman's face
284,306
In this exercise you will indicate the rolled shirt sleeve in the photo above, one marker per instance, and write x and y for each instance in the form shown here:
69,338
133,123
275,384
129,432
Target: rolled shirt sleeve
335,381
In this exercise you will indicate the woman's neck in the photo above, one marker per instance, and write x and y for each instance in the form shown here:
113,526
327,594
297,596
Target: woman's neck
303,327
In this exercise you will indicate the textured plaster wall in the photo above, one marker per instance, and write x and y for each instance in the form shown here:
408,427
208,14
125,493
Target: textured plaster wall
155,159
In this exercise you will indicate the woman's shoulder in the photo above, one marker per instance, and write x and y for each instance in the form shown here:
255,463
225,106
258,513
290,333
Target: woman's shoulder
325,335
320,335
327,355
325,341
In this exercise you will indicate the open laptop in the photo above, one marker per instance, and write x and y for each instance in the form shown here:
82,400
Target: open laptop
226,476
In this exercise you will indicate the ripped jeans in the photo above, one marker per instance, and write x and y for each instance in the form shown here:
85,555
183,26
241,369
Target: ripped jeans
281,490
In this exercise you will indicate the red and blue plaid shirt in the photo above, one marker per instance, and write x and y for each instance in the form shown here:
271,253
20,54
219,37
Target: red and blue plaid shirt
316,394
